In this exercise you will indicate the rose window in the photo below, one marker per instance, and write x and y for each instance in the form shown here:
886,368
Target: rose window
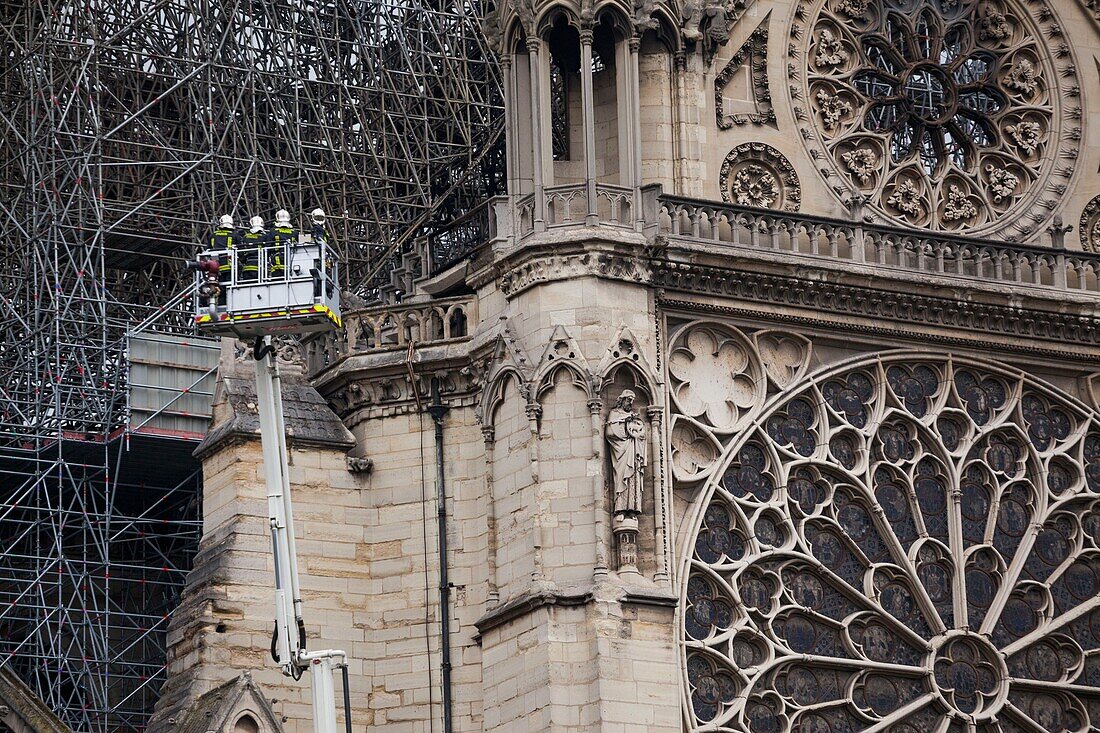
907,544
941,113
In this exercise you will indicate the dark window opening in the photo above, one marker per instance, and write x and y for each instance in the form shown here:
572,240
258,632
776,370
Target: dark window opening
559,110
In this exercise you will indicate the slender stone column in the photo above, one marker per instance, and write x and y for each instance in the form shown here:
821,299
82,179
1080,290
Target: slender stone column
534,412
588,115
679,64
512,170
595,409
493,594
636,132
660,500
534,45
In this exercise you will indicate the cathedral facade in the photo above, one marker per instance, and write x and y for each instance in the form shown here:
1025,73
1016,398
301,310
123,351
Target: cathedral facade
767,400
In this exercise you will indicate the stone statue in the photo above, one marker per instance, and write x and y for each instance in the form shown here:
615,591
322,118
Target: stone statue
626,442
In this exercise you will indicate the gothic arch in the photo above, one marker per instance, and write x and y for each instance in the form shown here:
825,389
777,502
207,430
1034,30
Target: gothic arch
625,352
641,381
493,394
548,378
903,542
246,723
554,11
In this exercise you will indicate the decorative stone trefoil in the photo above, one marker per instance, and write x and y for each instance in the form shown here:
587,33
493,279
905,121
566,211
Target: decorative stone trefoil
958,206
906,198
1002,183
1022,77
830,50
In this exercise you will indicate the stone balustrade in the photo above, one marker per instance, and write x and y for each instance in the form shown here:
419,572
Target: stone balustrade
816,237
932,253
567,206
686,221
393,327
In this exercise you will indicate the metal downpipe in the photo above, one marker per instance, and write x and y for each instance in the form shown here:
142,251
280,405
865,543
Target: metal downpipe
437,409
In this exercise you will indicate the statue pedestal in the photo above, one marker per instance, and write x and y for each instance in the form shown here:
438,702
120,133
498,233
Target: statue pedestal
625,528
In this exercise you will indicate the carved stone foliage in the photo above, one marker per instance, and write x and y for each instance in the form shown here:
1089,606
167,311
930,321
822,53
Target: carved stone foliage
708,23
1089,227
754,55
959,115
1093,8
755,174
718,380
902,543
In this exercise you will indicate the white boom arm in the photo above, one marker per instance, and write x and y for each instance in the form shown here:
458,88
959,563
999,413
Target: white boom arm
289,641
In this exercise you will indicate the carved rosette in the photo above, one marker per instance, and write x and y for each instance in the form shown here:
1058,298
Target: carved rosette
755,174
1089,227
959,115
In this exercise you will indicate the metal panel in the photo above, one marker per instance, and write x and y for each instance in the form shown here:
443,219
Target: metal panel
171,383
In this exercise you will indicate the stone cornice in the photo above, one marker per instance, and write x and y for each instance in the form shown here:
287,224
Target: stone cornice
1043,319
642,593
365,385
528,602
562,254
835,302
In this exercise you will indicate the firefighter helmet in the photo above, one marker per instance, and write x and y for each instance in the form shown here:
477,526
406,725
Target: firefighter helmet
226,220
256,223
318,216
282,218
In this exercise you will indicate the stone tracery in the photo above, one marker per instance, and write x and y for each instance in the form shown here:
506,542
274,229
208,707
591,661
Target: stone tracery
899,543
1089,227
945,114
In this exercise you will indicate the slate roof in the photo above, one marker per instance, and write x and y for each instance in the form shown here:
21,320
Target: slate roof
212,710
25,707
309,420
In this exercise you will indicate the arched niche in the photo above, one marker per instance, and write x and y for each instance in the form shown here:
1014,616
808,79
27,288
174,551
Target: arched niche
566,483
246,723
511,479
621,376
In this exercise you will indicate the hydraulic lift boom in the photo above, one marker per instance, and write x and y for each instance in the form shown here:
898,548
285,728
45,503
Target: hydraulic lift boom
250,287
288,643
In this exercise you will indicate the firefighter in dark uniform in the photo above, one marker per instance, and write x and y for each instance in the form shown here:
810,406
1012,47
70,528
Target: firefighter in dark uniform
319,232
249,258
319,229
279,241
221,241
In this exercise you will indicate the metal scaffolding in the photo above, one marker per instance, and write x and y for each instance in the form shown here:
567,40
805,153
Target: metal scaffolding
126,127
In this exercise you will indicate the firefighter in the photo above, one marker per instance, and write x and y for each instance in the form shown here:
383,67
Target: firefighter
280,239
222,241
320,233
250,243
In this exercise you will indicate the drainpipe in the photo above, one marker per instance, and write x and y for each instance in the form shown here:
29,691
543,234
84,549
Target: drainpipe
437,410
